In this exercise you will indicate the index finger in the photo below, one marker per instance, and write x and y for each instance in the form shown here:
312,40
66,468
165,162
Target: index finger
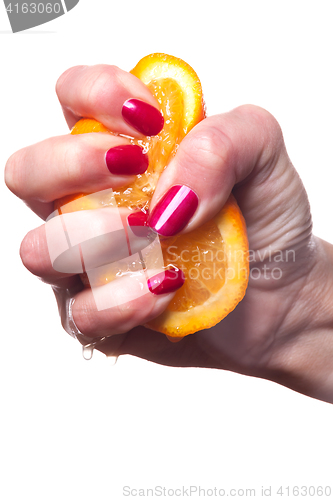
112,96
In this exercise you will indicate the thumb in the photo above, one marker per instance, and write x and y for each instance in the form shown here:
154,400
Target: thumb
218,153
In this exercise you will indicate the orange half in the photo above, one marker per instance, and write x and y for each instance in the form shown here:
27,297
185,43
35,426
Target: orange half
214,258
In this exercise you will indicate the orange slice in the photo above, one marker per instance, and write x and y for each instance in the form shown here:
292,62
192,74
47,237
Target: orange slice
214,257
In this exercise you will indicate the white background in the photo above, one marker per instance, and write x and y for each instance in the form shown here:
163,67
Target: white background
72,429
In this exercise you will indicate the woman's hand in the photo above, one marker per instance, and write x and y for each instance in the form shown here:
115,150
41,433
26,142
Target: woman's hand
45,172
282,330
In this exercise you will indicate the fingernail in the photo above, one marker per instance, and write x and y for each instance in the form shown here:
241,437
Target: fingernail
138,223
126,160
166,282
173,211
143,117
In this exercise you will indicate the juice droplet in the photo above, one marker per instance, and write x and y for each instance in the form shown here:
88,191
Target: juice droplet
112,360
174,339
87,352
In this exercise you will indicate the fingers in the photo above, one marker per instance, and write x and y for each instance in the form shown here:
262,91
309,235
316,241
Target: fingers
125,303
71,164
84,163
218,153
36,257
86,240
114,97
125,289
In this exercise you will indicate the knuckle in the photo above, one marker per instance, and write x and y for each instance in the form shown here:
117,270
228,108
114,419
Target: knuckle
34,253
271,146
94,91
78,154
210,149
72,157
28,252
268,123
62,80
85,319
14,174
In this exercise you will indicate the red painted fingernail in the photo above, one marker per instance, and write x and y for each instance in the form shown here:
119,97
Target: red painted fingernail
138,224
143,117
137,219
166,282
173,211
126,160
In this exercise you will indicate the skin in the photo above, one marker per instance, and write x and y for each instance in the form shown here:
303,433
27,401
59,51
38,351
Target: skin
282,330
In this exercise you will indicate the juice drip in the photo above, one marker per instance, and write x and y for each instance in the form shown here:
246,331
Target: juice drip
112,360
88,351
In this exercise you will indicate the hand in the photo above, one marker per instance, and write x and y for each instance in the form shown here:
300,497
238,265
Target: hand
280,331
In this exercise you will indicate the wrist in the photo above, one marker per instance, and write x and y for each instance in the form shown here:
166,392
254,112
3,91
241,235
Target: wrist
303,360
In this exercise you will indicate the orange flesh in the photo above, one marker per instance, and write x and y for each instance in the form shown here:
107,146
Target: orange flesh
204,254
200,256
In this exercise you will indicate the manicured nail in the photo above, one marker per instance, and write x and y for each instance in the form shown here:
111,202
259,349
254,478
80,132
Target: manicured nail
173,211
126,160
138,224
143,117
166,282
